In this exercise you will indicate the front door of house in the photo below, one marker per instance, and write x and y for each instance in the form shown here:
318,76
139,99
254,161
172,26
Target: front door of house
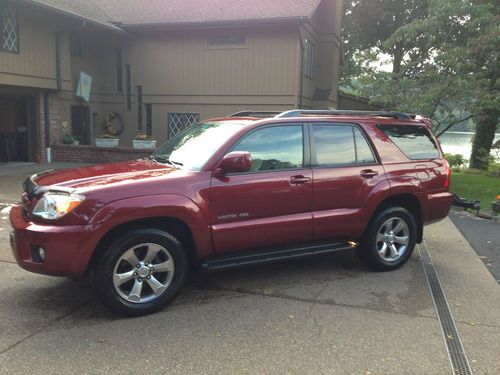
80,124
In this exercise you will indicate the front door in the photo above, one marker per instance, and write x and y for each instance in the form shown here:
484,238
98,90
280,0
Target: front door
271,204
80,124
345,172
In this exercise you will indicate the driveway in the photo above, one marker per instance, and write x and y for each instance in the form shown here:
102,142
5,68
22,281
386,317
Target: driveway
483,235
327,315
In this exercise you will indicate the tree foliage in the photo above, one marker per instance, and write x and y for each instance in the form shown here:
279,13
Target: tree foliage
449,70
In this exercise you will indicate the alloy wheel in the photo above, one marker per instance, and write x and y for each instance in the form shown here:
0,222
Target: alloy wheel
392,239
143,273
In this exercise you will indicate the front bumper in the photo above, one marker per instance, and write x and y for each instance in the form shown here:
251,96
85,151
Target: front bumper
68,249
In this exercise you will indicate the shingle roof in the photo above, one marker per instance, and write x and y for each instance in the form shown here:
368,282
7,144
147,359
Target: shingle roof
85,9
177,12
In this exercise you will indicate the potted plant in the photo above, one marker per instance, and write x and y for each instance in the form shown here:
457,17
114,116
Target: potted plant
143,141
68,140
108,139
495,205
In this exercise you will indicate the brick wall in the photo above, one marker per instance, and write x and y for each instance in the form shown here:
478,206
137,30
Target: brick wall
56,131
92,154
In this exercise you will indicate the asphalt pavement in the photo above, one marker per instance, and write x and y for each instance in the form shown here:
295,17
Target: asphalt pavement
326,315
484,237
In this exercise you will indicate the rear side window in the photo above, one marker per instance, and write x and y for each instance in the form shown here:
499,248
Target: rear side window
414,141
340,145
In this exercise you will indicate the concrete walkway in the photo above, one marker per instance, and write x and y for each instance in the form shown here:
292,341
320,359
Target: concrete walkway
327,315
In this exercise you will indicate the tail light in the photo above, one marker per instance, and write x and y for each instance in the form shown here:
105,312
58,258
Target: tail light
448,174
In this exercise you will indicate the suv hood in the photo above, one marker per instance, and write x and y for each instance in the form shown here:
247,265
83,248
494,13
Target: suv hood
103,174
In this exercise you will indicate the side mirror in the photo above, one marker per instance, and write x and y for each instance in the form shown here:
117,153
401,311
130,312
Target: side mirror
236,162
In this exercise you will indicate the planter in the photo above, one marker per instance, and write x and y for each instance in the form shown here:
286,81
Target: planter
495,206
107,142
76,143
144,145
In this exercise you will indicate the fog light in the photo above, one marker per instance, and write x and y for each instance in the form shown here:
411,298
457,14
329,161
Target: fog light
38,254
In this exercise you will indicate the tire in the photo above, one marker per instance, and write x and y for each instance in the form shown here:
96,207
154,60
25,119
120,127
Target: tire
141,272
389,239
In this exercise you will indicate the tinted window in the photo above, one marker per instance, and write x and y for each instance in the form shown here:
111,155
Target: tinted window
279,147
364,153
334,145
414,141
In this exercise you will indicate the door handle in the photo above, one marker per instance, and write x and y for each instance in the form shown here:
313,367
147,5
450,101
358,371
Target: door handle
368,173
299,180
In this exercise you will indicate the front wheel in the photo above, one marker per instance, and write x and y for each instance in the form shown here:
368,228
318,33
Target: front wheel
141,272
389,240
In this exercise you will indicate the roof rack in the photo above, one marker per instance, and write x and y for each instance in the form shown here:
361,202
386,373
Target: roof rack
260,114
328,112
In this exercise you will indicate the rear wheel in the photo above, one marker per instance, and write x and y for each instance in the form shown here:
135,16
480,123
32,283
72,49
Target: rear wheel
389,240
141,272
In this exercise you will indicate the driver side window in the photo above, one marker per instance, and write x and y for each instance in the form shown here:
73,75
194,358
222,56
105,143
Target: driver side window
274,148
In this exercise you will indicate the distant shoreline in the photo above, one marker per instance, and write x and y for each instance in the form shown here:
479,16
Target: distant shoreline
448,132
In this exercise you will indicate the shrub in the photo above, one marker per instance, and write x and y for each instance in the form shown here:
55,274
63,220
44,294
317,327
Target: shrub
456,160
68,139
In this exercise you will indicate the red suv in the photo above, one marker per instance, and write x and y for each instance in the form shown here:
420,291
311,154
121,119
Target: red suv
236,191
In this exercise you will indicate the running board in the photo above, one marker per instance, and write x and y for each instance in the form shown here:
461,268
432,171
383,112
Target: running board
246,258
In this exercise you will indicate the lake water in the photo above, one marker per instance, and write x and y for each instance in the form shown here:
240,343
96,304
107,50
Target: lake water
459,143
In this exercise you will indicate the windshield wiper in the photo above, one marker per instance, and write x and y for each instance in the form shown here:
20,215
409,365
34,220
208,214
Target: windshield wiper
160,159
175,163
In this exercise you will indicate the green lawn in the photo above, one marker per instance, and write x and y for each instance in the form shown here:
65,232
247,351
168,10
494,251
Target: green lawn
475,186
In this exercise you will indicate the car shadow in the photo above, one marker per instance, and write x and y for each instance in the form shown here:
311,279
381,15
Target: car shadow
331,279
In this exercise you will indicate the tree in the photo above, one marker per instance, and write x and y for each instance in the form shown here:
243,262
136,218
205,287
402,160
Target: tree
450,64
368,24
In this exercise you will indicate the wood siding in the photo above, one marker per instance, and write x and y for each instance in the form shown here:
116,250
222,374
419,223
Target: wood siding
35,64
178,70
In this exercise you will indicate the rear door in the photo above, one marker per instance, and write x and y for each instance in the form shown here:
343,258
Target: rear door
271,204
345,171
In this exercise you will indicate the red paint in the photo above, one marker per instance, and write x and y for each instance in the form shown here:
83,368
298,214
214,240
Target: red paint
235,211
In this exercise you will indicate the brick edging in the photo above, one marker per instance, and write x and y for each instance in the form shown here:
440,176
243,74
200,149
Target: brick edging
93,154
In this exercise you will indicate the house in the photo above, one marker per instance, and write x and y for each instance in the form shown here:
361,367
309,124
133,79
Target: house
67,67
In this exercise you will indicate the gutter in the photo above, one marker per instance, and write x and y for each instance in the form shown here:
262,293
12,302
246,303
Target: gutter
210,24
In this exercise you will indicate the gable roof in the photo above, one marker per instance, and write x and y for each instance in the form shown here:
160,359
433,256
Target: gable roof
136,13
83,9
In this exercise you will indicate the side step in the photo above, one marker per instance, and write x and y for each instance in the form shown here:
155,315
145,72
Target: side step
246,258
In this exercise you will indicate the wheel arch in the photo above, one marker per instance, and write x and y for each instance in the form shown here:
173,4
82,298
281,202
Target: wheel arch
172,225
408,201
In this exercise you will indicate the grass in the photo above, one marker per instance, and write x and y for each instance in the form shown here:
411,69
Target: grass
476,186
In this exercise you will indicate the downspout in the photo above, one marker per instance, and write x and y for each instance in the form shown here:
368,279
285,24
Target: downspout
46,118
58,61
301,79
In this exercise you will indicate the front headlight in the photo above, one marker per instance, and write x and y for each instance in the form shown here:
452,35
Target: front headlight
54,206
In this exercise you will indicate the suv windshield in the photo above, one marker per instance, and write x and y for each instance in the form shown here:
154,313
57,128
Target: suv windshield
192,148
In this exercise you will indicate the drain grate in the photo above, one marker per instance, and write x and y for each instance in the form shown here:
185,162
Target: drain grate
458,358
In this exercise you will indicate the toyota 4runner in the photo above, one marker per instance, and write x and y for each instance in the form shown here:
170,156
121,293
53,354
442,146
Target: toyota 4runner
236,191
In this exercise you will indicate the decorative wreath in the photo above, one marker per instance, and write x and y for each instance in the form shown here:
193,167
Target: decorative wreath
113,123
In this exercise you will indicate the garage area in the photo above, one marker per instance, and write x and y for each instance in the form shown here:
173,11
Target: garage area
17,128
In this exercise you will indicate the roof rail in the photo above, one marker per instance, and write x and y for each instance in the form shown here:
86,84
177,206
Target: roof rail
259,114
341,112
